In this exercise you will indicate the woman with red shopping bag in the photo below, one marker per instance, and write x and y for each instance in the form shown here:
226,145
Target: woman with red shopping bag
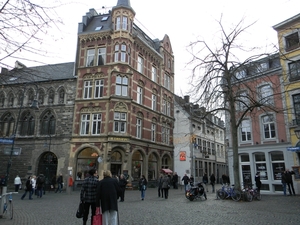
97,218
108,192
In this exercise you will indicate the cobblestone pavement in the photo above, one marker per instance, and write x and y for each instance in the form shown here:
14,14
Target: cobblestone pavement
60,208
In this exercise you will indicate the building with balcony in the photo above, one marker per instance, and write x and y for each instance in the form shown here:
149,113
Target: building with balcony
123,117
289,49
199,140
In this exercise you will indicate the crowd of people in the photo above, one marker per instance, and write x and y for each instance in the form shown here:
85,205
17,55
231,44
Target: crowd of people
36,185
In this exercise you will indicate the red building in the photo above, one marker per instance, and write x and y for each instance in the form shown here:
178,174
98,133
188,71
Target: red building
262,134
123,117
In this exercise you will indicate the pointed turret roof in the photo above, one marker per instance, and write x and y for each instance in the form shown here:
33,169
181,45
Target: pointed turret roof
125,4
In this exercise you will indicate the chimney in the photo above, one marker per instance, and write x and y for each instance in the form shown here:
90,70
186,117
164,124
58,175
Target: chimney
4,70
187,99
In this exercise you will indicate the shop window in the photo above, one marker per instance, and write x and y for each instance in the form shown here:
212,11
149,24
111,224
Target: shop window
137,165
86,160
245,158
152,167
278,165
261,166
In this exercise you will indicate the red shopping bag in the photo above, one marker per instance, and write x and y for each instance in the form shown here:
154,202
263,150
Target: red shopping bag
97,218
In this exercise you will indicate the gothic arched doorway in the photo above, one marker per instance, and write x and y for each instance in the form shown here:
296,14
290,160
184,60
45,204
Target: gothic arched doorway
48,167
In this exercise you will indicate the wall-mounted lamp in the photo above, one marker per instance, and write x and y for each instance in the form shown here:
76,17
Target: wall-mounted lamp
297,132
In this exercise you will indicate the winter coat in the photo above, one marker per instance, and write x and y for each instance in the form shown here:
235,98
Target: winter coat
212,179
185,179
142,182
108,192
28,185
165,182
122,183
205,179
257,181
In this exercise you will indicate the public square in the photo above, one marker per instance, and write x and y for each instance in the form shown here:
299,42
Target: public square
60,209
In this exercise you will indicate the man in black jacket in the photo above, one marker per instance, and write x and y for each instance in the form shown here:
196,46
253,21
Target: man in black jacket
88,194
289,181
122,183
108,192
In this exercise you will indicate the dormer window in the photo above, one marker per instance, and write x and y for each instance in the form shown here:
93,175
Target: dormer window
104,18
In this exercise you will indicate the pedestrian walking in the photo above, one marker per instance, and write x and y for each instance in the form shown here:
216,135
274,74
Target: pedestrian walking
53,182
28,188
166,185
185,180
283,181
143,186
17,183
205,181
59,182
175,181
33,183
160,190
122,183
107,194
40,185
289,181
212,182
257,181
88,195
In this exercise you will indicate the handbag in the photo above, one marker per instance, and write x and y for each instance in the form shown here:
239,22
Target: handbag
97,218
80,210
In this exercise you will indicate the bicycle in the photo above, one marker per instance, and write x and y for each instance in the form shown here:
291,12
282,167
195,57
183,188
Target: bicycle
226,192
8,208
251,193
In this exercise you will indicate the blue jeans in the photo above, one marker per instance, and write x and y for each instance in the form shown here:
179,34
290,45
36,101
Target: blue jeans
284,188
143,193
24,195
58,188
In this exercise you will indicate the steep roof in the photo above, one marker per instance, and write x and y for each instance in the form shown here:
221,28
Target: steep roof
52,72
123,3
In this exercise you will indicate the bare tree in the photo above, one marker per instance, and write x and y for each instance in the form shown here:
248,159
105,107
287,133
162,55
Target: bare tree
218,76
23,27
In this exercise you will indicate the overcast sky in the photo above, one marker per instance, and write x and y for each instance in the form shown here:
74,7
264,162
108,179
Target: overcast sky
183,21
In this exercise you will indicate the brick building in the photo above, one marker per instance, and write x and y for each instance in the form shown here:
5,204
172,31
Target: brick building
123,116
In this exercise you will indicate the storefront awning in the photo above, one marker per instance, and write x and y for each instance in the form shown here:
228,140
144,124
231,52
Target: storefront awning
167,170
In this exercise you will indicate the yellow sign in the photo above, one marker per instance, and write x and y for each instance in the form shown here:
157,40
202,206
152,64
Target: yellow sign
118,139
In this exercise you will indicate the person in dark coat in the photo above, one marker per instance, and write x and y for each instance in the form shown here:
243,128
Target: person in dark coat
205,181
143,186
108,192
185,180
59,181
289,181
212,182
175,181
40,182
257,181
166,185
283,181
160,190
28,188
122,183
88,195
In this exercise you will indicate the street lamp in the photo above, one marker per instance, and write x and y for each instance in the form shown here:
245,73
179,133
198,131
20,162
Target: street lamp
297,132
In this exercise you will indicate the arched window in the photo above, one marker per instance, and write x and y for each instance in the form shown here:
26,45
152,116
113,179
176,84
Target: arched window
137,165
11,99
27,124
30,96
2,99
48,123
7,125
41,97
61,99
51,97
20,98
